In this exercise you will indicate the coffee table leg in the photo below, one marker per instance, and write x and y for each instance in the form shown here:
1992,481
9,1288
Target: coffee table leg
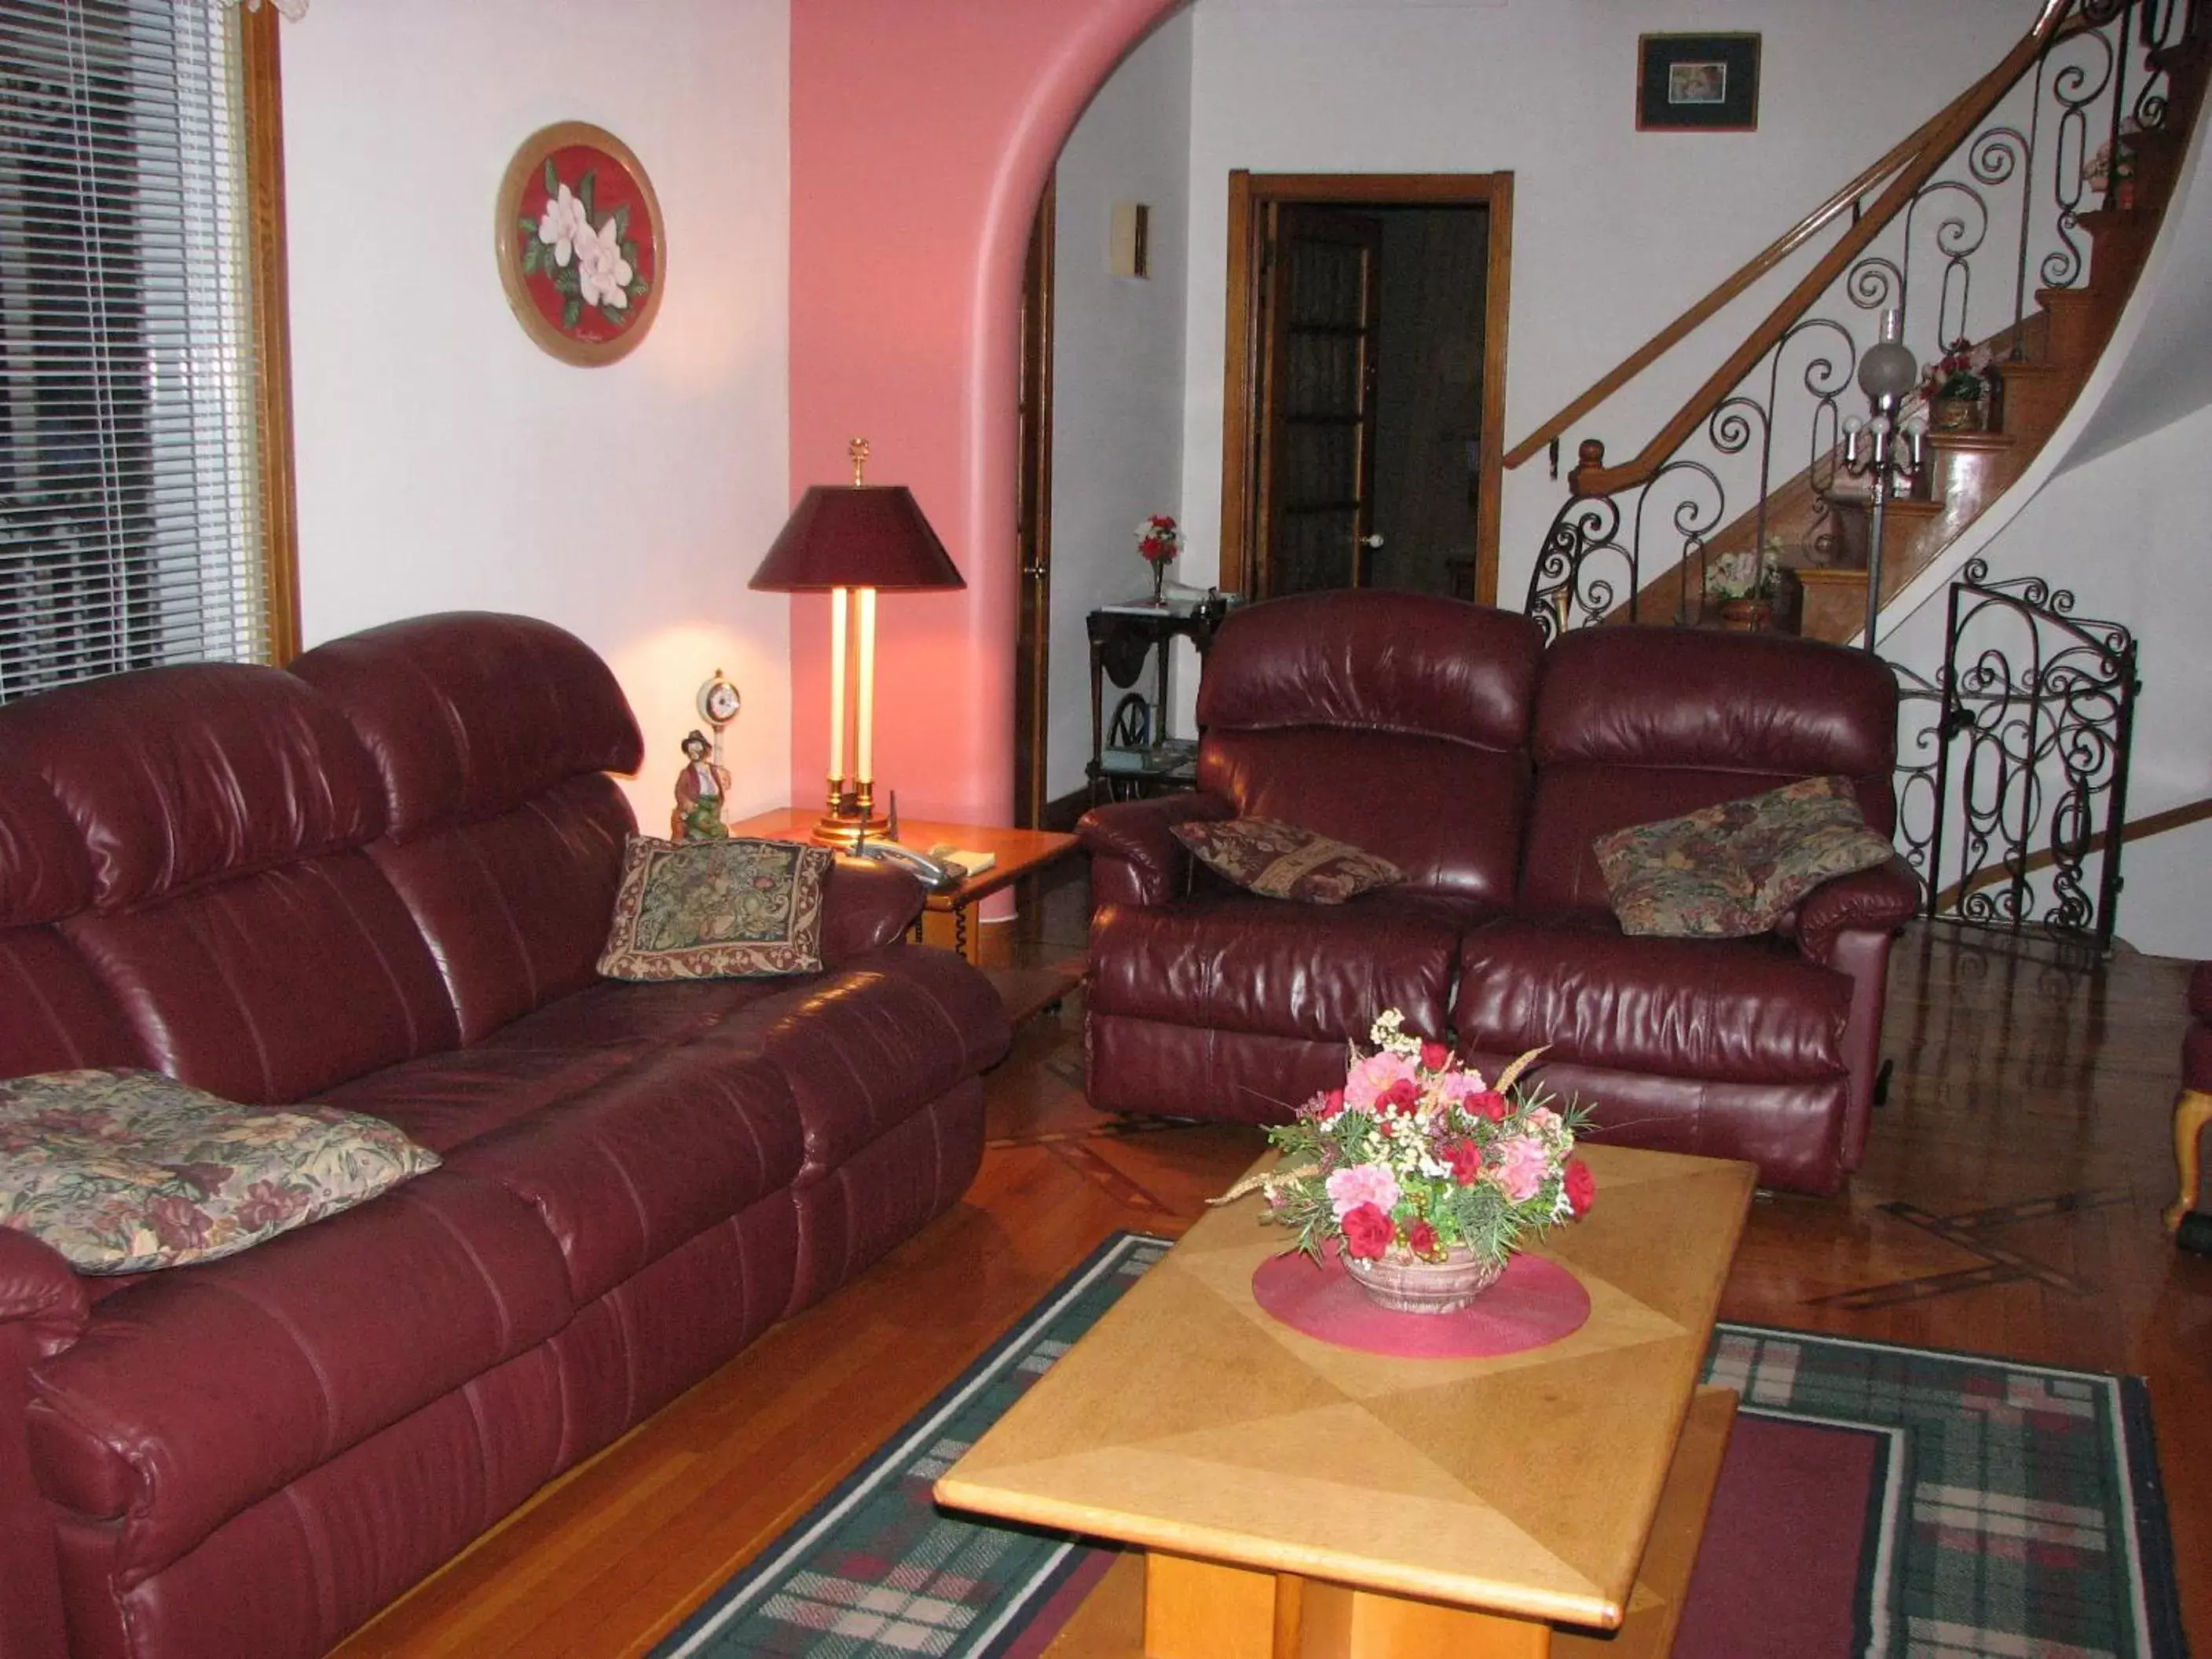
1199,1610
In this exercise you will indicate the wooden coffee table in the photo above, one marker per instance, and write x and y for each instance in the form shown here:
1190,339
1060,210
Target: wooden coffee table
1298,1498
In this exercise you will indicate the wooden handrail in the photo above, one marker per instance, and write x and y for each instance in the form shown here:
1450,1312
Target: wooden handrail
2156,823
1754,268
1951,128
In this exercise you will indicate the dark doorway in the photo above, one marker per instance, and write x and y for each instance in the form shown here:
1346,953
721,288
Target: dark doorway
1366,382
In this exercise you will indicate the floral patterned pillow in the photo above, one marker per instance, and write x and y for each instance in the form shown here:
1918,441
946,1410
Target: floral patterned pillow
123,1171
1733,870
1281,861
717,909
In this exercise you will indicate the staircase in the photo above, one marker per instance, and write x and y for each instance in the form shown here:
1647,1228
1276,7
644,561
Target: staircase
1991,195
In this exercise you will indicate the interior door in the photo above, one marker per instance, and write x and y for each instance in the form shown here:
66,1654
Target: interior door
1316,482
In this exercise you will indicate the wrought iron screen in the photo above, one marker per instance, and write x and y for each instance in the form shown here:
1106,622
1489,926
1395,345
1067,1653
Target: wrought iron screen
2012,773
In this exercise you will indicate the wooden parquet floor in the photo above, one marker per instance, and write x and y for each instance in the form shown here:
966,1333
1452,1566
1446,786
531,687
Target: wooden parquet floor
2009,1204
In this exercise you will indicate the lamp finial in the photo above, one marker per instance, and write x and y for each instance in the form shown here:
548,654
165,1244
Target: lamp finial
857,449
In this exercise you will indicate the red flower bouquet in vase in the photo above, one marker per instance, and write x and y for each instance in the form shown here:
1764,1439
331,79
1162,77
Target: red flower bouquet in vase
1160,541
1425,1178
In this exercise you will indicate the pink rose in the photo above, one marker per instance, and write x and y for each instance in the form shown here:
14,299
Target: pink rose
1370,1075
1519,1166
1367,1231
1362,1183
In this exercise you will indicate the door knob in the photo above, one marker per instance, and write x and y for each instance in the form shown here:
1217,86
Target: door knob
1371,541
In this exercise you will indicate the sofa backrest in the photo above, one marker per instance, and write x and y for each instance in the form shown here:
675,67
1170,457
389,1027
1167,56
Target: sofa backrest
491,737
1639,723
54,1015
215,809
1398,722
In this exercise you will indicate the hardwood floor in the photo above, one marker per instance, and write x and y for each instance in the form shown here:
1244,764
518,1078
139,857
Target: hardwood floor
2009,1204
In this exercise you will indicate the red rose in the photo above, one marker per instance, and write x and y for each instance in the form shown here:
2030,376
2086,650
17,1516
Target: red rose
1402,1096
1435,1056
1330,1106
1367,1231
1489,1103
1423,1239
1465,1160
1581,1185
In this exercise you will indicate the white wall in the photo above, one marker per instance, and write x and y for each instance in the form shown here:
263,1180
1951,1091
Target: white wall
1614,231
445,461
1117,369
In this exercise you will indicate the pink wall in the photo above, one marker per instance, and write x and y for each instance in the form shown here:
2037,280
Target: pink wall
921,133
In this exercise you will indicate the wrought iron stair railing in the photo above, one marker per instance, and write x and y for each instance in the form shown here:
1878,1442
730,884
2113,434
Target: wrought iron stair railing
1984,208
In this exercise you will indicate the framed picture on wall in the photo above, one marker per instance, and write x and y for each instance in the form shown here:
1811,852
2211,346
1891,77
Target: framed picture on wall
581,246
1697,83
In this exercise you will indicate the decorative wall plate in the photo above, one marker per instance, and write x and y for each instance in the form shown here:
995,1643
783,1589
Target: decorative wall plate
582,254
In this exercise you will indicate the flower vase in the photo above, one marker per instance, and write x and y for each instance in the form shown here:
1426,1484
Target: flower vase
1159,581
1411,1285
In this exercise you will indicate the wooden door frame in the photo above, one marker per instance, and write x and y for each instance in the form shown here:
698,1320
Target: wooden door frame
1033,517
1250,196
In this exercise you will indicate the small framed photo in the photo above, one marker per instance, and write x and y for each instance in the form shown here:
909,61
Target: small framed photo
1697,83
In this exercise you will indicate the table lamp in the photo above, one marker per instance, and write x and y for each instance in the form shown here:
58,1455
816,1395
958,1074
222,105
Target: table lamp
852,541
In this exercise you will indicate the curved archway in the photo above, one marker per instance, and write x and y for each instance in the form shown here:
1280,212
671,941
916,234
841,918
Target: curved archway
921,133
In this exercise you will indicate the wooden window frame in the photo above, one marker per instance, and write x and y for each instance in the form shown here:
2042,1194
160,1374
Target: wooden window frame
262,81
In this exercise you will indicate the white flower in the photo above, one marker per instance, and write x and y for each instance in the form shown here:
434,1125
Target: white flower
601,268
562,225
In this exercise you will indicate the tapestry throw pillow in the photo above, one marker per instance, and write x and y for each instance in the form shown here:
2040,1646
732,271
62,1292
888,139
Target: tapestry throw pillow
125,1171
717,909
1733,870
1266,855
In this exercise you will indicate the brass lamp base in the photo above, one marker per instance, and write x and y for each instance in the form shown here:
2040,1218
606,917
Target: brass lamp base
850,817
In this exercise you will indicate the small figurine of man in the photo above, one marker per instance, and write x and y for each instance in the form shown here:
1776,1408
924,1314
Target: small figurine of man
699,788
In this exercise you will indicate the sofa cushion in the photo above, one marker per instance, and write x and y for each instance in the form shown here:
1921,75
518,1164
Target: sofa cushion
123,1171
1413,709
1736,868
717,909
1727,1009
193,1393
1239,963
1639,723
1281,861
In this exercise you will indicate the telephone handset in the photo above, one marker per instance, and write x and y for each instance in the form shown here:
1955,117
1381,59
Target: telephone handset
936,878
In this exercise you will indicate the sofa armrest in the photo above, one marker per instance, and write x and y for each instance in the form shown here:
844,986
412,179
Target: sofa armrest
43,1309
1880,900
865,903
1134,856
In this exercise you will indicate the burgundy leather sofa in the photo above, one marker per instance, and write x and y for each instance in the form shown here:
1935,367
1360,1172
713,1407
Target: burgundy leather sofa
1445,737
381,880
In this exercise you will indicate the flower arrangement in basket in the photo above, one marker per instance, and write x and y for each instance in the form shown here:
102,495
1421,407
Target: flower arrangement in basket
1427,1177
1158,540
1954,386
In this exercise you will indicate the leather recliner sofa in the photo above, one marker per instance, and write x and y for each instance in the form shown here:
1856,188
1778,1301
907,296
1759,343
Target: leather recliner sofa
1445,737
380,880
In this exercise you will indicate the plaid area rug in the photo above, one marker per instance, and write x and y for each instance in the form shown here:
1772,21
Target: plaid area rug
1993,1510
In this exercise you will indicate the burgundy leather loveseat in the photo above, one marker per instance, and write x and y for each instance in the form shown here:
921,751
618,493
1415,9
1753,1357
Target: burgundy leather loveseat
381,879
1445,737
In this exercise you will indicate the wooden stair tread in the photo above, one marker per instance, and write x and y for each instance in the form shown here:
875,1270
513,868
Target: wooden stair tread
1900,507
1937,439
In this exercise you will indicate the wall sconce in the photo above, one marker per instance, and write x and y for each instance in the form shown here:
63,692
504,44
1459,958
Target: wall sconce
853,541
1129,248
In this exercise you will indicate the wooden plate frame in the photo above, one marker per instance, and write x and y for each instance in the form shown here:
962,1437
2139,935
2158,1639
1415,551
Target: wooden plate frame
542,290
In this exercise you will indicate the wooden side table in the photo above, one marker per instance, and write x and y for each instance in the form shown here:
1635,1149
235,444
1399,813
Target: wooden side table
1020,853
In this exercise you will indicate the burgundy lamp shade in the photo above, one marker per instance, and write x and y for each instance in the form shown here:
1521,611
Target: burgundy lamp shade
856,536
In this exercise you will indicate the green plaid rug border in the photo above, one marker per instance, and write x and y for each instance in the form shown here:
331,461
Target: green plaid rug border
2018,1516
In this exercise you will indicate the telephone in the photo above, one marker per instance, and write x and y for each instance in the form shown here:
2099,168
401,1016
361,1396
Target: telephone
936,878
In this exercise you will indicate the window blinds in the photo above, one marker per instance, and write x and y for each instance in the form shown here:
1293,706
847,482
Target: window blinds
129,494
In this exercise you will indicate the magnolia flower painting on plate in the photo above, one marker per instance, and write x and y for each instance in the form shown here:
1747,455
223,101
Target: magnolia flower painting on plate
580,243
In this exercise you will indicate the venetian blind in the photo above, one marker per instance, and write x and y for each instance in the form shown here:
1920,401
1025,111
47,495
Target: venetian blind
129,498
